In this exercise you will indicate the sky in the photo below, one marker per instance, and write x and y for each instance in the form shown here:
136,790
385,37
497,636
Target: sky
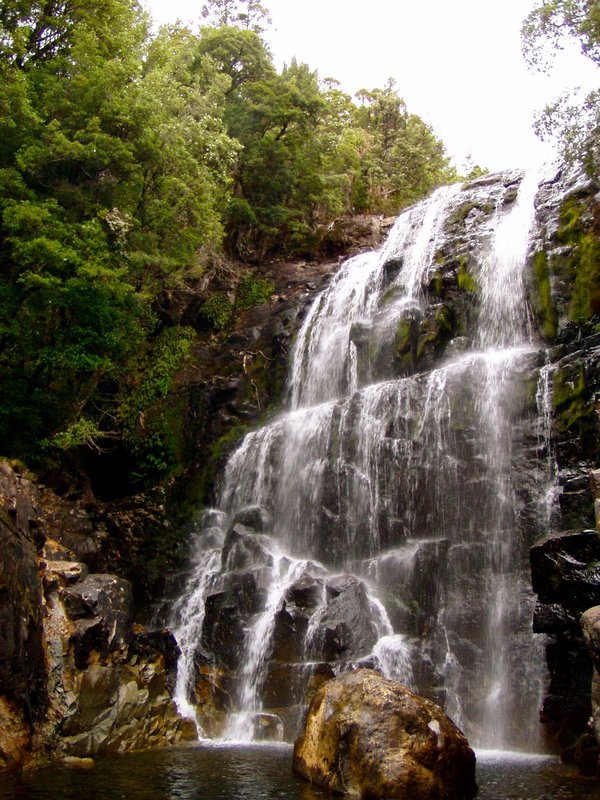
458,65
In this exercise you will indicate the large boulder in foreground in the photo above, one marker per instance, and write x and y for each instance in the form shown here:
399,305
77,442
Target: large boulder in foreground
371,737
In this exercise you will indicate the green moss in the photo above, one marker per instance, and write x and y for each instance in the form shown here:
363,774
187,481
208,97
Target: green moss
580,268
392,294
436,332
466,281
402,341
574,409
458,216
541,297
437,284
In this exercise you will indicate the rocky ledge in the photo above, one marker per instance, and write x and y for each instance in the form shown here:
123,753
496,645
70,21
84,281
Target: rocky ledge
77,678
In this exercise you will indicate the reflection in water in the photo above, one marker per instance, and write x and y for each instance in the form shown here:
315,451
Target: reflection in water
263,773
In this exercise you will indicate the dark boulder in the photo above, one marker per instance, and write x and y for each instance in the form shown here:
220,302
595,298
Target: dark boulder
101,606
254,517
564,569
346,626
244,549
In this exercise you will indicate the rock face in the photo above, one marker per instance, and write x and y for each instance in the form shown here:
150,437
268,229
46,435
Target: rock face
567,582
76,677
590,624
372,738
563,293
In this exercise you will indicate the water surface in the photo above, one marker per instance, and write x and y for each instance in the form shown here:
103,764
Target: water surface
263,773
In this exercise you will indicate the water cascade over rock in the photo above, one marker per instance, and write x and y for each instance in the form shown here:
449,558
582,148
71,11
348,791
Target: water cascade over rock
384,519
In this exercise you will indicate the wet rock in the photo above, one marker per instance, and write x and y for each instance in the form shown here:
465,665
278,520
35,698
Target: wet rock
590,624
105,603
289,632
245,549
254,517
346,625
554,618
223,629
22,661
305,593
373,738
267,728
565,569
594,478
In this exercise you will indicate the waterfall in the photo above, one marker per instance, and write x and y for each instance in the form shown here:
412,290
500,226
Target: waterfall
383,519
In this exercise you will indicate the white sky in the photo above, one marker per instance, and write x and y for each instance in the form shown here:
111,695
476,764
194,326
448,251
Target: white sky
457,64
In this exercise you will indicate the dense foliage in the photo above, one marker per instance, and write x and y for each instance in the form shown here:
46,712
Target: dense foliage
573,122
131,162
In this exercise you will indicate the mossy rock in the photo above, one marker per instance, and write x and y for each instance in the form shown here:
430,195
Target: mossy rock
579,265
466,280
575,412
540,297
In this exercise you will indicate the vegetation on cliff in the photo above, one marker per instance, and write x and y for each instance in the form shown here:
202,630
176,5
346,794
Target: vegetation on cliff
136,164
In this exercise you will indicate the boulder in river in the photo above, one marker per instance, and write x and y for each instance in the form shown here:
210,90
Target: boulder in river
373,738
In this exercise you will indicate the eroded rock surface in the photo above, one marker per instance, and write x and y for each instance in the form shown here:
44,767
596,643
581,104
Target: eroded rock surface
77,678
372,738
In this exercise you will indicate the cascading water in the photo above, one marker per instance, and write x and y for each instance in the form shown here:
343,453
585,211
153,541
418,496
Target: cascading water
387,518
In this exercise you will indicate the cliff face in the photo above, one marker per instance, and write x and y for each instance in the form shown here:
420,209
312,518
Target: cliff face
76,677
78,673
564,291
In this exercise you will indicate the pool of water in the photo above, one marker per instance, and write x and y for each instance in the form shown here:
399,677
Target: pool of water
263,773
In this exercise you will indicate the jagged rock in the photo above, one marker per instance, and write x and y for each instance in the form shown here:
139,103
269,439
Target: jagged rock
554,618
373,738
305,593
102,604
245,549
347,626
564,569
122,707
63,573
352,233
22,662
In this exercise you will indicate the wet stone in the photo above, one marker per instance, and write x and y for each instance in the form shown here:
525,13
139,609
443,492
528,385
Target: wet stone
254,517
245,549
305,593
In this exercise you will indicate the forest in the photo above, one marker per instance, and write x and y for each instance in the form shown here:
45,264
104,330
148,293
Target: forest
135,163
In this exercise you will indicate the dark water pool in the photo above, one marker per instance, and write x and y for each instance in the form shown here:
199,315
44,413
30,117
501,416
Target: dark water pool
262,773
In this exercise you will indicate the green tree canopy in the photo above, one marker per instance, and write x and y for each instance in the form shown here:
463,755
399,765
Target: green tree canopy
574,125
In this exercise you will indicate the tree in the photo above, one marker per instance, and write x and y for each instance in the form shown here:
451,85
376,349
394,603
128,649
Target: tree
403,160
574,125
248,14
113,173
